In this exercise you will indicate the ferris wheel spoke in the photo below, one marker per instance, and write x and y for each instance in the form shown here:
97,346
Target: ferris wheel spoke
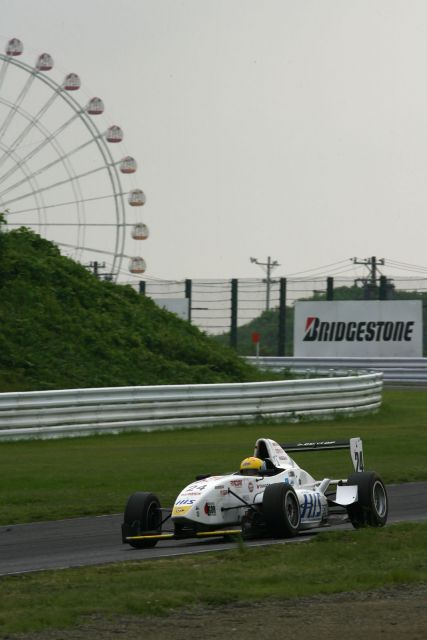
54,185
36,191
108,196
13,110
19,163
60,158
92,249
45,133
41,146
31,125
40,205
3,72
72,224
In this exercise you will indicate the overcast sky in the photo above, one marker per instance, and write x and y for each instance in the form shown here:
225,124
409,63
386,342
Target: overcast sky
291,129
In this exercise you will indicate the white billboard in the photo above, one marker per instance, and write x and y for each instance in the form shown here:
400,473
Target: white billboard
359,328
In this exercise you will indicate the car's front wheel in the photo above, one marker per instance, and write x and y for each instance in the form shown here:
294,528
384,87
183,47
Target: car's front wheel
142,516
281,510
371,508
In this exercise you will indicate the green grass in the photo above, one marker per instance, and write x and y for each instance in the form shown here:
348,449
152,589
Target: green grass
51,479
362,560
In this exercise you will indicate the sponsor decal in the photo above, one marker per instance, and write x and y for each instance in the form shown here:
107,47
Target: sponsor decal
312,507
223,492
250,487
236,483
313,444
317,330
184,501
180,510
210,509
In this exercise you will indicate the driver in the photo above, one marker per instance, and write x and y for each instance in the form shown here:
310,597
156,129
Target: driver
252,466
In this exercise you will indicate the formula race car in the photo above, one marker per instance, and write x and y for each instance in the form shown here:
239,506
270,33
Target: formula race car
269,495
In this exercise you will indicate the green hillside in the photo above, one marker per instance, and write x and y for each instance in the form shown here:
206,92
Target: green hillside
61,327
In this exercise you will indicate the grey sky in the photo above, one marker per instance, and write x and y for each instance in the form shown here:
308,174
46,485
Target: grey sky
291,129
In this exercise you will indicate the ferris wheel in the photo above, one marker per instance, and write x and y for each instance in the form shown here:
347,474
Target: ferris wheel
60,174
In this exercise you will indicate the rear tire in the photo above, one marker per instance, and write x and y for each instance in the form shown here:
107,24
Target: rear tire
371,508
142,516
281,510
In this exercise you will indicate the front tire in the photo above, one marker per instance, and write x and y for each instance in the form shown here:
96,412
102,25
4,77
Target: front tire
142,516
371,508
281,510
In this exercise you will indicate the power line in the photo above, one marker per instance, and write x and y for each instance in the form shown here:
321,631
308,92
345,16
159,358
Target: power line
321,268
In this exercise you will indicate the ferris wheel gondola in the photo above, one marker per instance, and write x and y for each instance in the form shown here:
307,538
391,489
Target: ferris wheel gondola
60,174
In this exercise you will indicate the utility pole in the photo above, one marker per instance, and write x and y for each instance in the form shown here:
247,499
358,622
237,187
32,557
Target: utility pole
95,268
370,284
268,267
372,264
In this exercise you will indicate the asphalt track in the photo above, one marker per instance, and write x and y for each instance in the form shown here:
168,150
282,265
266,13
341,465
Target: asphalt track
97,540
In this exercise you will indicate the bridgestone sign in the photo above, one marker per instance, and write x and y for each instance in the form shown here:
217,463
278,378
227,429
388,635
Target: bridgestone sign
365,328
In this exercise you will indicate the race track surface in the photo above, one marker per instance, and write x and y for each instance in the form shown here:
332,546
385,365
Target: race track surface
97,540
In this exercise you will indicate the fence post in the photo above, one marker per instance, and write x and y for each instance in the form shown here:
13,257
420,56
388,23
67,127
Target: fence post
233,328
382,294
142,287
329,288
281,340
189,295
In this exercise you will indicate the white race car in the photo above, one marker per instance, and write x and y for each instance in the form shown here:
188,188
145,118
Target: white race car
269,495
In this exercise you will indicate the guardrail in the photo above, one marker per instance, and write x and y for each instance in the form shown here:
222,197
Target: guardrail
72,412
395,370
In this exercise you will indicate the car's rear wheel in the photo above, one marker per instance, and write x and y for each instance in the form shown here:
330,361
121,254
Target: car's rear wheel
371,508
142,516
281,510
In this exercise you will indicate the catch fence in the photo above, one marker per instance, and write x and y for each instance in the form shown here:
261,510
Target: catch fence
232,309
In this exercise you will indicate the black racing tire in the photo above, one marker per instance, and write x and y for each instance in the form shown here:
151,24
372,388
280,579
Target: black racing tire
143,516
281,510
371,508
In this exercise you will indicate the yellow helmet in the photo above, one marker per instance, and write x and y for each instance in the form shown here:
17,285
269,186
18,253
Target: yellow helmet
251,466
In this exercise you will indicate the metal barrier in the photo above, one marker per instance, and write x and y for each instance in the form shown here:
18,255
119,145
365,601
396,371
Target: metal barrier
72,412
395,370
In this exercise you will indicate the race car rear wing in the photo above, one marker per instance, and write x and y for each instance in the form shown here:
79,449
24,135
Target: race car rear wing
354,444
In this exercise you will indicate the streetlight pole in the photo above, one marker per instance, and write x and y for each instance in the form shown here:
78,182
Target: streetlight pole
268,266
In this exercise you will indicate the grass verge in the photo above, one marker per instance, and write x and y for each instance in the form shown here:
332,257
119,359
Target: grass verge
330,563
